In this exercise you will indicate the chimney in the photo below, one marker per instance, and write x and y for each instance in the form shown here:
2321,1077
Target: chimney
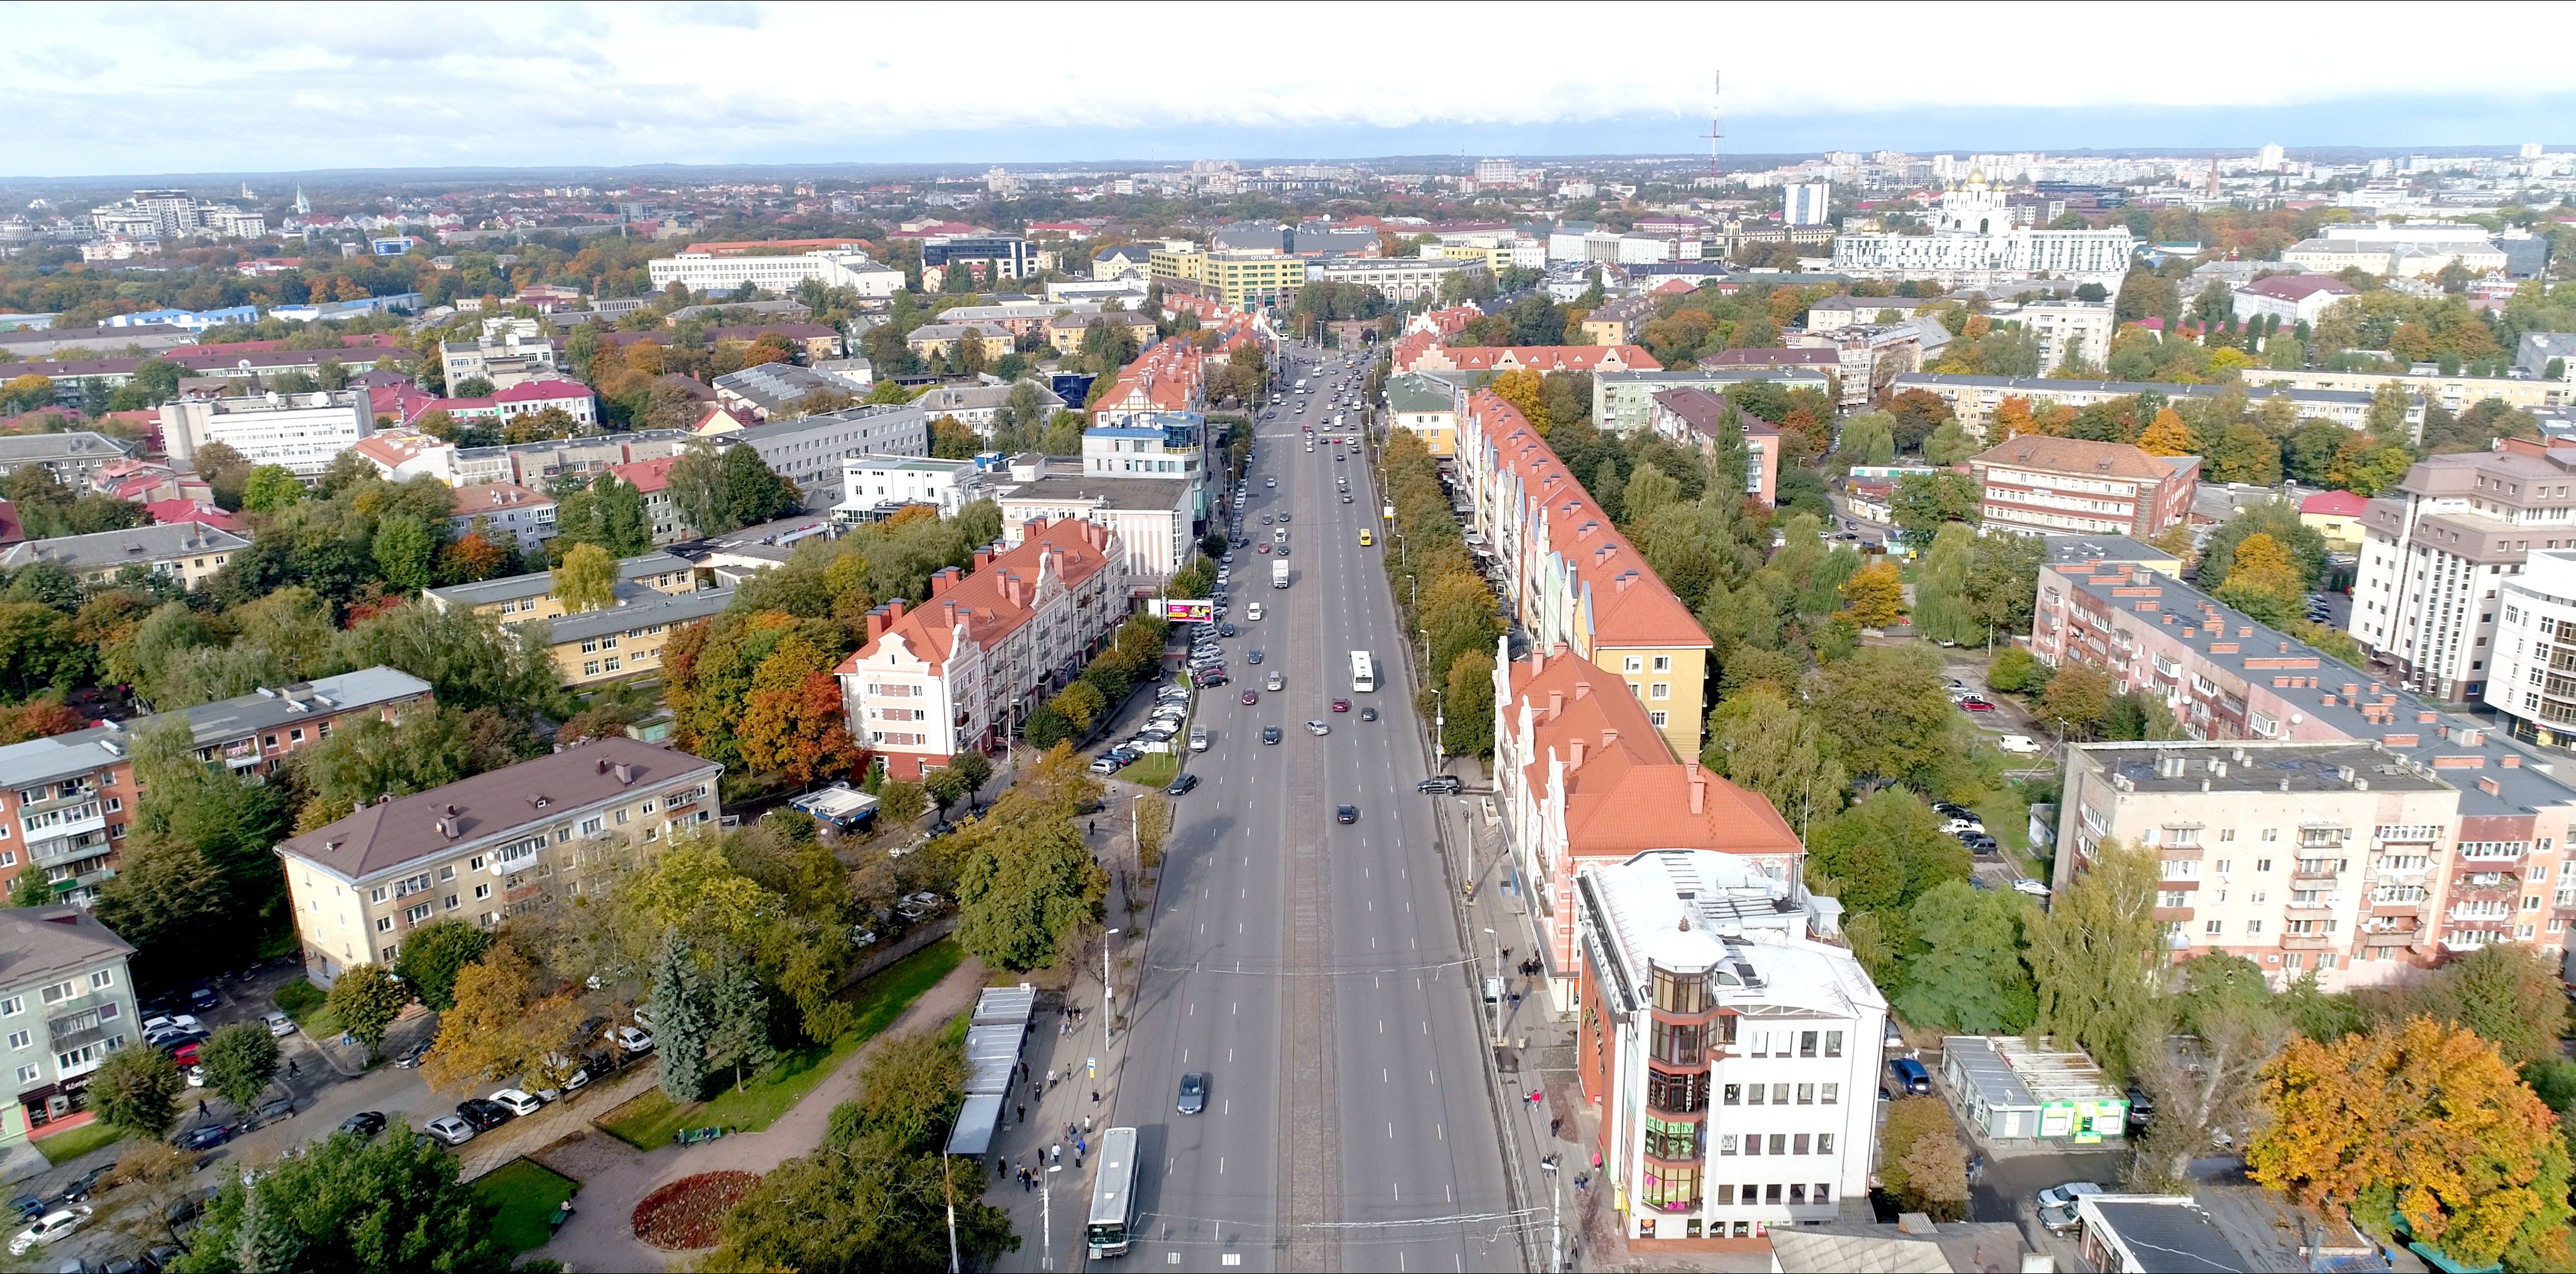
1574,760
1698,790
983,557
876,623
1555,704
942,580
894,610
1582,689
1608,739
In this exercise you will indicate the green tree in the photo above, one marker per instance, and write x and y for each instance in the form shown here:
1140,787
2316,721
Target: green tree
586,579
1887,711
1921,1162
874,1196
406,552
900,802
1868,438
737,1020
1025,880
2096,956
1948,444
1467,709
1969,978
1923,502
137,1089
240,1060
1941,584
270,488
344,1202
2003,581
434,953
367,999
2077,701
681,1024
753,494
2016,671
1757,738
2510,995
1886,852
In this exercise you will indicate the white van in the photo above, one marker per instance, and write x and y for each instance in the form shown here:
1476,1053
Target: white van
1198,738
2019,744
1252,612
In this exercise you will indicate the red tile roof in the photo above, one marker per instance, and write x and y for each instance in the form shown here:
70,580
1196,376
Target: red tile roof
542,391
488,497
993,602
2334,504
647,475
2298,287
1417,353
172,512
1630,605
1625,794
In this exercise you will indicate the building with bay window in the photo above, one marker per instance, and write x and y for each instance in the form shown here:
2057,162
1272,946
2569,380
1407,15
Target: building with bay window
1733,1053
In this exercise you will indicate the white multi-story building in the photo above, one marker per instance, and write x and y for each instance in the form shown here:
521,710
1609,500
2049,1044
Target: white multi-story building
2291,298
509,352
2533,680
1149,518
1804,203
303,432
2079,328
958,671
874,486
2437,551
1734,1056
1397,278
833,268
1976,240
2409,250
808,450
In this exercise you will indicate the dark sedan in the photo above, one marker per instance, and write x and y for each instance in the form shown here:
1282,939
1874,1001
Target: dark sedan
1194,1091
1346,813
205,1138
482,1112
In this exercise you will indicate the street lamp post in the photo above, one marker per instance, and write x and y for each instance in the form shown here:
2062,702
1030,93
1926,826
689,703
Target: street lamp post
1108,993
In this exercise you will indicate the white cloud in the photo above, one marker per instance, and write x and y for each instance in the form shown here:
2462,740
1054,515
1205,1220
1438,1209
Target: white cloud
209,86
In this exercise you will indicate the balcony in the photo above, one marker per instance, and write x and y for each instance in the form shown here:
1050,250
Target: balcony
2308,941
63,824
2414,908
2319,876
57,849
70,796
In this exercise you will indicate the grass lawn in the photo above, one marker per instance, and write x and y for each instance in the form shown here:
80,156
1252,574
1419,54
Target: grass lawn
304,1001
63,1147
648,1121
2007,818
527,1193
1158,769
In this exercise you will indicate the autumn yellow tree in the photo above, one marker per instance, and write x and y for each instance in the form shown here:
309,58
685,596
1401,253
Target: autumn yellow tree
2167,435
2427,1121
1521,389
2013,419
1874,597
2263,582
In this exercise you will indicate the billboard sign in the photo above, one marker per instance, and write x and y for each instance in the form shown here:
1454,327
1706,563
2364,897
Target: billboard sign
1182,610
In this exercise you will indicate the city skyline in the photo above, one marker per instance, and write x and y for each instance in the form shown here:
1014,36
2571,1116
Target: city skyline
397,88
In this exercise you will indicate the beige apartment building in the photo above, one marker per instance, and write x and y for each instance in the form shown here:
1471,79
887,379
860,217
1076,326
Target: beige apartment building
531,596
510,842
2339,858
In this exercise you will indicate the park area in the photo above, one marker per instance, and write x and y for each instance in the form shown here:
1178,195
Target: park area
653,1119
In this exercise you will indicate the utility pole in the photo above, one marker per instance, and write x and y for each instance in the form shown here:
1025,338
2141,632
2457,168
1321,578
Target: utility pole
1107,993
949,1188
1555,1225
1046,1219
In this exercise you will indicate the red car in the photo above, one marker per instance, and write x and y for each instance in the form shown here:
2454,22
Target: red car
1975,704
1341,705
1250,698
1261,548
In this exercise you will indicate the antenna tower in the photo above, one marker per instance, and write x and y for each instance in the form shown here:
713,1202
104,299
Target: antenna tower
1716,84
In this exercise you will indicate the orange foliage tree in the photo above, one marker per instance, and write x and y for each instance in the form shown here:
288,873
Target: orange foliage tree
2425,1120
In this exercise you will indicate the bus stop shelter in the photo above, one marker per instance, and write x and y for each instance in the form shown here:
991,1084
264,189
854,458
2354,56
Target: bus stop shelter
993,1040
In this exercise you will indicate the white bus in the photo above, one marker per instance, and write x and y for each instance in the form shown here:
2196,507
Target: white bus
1363,673
1113,1195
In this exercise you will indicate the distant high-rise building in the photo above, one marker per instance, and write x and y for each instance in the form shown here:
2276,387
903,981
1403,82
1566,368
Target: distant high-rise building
2531,150
2268,159
1804,203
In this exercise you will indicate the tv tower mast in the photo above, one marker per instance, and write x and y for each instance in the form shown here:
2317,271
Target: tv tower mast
1716,86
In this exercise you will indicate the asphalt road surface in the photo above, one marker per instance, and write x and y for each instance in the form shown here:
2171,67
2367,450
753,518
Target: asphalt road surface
1311,969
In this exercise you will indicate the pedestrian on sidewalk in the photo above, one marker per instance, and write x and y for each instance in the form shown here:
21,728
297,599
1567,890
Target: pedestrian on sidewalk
1055,1153
1001,1166
1095,1097
1086,1123
1024,1112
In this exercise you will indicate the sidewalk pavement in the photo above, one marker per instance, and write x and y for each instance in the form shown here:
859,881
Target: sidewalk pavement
1086,1063
615,1176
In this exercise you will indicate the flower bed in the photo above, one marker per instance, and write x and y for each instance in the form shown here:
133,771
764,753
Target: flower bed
686,1213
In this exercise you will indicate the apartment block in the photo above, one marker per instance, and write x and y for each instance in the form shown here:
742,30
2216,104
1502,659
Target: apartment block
1733,1056
1697,419
189,552
2439,548
1624,402
66,1002
514,598
2039,485
625,640
2338,858
511,842
1974,399
66,800
1571,578
2491,872
956,672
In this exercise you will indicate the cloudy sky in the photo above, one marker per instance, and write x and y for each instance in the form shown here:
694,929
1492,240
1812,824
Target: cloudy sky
91,89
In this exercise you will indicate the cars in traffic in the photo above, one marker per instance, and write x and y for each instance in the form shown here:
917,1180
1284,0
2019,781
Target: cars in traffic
1183,785
1439,785
1346,813
366,1123
205,1137
1341,705
1269,734
1194,1092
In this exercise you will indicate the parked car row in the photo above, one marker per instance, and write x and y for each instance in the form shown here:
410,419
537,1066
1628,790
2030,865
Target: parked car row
1965,825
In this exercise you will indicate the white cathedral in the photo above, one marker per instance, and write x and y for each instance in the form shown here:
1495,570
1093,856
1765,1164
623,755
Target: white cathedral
1974,240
